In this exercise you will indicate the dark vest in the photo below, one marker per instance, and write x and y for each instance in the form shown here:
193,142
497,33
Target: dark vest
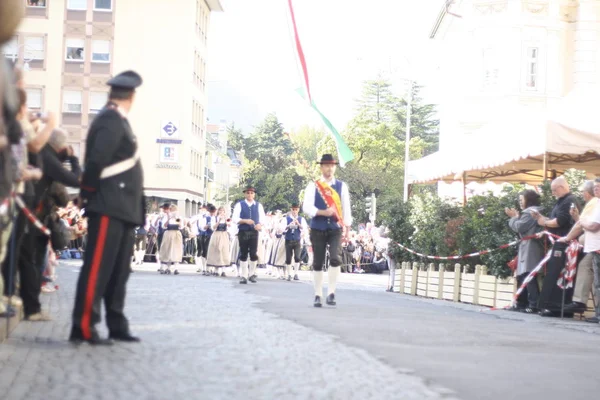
293,234
209,231
248,213
320,223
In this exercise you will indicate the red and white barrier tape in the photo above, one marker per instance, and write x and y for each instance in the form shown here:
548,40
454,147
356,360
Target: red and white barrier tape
478,253
568,273
36,222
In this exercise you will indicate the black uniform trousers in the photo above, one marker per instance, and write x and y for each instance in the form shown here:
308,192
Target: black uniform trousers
103,276
551,294
292,247
248,241
320,240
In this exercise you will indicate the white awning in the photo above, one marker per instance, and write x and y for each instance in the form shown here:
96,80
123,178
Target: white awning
512,148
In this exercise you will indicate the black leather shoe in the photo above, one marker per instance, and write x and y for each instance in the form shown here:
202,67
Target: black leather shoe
92,341
331,300
546,313
252,279
575,307
318,301
243,281
296,278
124,337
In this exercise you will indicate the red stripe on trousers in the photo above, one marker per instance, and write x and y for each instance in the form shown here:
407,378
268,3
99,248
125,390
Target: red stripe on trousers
93,279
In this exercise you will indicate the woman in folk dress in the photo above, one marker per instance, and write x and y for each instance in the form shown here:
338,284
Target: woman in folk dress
219,252
171,249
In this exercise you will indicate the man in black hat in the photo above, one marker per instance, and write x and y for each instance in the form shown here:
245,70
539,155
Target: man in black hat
161,221
327,202
293,227
249,215
112,192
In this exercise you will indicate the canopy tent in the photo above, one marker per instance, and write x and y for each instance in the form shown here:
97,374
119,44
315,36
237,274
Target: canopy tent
523,146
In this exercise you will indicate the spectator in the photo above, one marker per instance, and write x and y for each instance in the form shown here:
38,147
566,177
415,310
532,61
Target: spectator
531,251
558,223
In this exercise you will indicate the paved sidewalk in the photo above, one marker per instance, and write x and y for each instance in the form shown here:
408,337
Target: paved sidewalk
201,340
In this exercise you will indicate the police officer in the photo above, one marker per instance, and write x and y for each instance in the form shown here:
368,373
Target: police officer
112,194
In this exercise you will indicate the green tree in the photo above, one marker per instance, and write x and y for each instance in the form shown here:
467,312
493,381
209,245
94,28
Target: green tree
235,138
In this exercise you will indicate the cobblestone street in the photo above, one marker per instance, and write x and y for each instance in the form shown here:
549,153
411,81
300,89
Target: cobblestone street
201,340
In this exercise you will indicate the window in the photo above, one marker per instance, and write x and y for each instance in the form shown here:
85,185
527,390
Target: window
103,5
34,48
11,49
75,49
532,68
77,4
97,101
36,3
101,51
490,68
72,101
34,98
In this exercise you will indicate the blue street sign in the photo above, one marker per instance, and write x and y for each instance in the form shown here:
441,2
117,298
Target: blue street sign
170,128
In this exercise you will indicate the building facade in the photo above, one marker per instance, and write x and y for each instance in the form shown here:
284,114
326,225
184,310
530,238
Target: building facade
70,48
506,57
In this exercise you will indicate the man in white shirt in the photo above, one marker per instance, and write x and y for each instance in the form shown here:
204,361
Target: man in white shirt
327,202
293,227
249,216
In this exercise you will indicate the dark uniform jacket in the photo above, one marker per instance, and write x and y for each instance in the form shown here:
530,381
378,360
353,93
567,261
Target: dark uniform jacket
110,140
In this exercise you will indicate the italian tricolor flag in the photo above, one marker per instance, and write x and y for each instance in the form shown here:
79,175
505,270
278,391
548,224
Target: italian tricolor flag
344,153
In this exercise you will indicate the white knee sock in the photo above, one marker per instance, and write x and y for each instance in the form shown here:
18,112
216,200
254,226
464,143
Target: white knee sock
318,282
204,266
253,267
296,268
288,270
332,277
244,268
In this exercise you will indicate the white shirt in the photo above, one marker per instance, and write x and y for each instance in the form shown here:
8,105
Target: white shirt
283,224
308,206
195,222
592,239
237,210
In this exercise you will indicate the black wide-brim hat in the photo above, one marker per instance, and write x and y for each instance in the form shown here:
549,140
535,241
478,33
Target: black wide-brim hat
295,205
165,205
327,159
249,189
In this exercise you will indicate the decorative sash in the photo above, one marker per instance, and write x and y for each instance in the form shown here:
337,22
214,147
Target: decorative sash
332,199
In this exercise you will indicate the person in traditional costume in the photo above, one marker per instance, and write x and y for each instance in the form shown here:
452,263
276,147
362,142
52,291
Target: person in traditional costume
249,215
327,202
293,226
171,249
219,253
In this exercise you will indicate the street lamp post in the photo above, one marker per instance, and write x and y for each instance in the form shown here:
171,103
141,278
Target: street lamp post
407,138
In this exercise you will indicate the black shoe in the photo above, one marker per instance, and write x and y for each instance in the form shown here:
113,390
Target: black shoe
575,307
546,313
516,308
331,300
318,301
530,310
94,341
252,279
124,337
289,278
296,277
223,275
176,272
243,281
391,290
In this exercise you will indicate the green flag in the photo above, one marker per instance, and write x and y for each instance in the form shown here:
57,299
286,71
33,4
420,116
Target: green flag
344,153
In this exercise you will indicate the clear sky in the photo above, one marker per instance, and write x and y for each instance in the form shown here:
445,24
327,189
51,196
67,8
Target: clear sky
345,42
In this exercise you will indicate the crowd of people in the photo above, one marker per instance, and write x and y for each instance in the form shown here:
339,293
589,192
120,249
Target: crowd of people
37,165
364,252
567,222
